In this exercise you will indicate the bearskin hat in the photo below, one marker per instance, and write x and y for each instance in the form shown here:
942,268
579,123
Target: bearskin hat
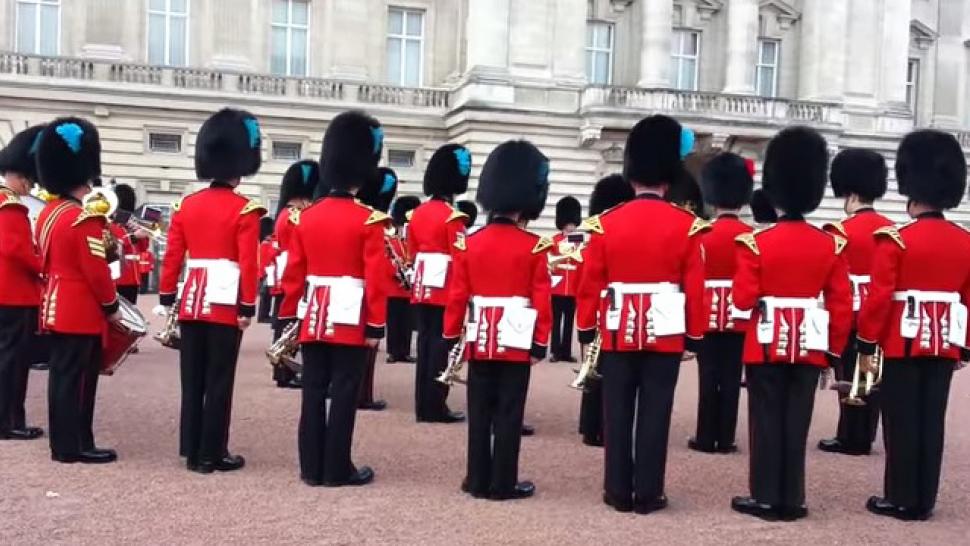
568,211
609,192
448,170
655,150
229,146
685,192
20,154
126,197
68,155
726,181
266,227
515,178
379,191
858,171
762,209
931,169
351,149
795,169
470,209
402,206
299,181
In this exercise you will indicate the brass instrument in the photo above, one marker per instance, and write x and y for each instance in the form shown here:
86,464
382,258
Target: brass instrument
863,385
402,272
565,251
169,336
100,201
456,362
283,351
590,362
154,229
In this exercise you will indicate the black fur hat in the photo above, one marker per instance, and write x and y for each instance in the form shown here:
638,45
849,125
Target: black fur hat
267,226
655,149
470,209
379,191
795,169
448,170
609,192
126,197
686,194
20,154
762,209
68,155
402,206
351,149
568,211
228,146
726,181
299,181
931,169
515,178
858,171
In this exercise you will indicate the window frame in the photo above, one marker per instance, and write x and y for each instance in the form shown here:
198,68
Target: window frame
404,38
912,85
168,14
775,67
411,152
289,27
36,5
283,141
592,50
677,58
155,132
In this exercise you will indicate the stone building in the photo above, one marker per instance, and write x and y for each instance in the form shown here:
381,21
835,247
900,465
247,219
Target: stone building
571,75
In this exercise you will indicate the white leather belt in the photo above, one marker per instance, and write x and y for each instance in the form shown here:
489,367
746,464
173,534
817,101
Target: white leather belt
718,283
422,256
209,264
927,296
132,257
316,281
791,303
860,279
633,289
481,302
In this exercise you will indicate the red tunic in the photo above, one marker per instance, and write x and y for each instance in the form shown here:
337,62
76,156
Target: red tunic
340,239
644,241
857,230
566,274
19,259
212,224
500,260
282,234
720,263
928,254
434,228
79,291
792,259
131,250
394,288
146,261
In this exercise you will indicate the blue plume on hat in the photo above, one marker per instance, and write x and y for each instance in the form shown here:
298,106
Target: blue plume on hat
464,158
686,142
377,133
71,134
306,169
252,128
389,182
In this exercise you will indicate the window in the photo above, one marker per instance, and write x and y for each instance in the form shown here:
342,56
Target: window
287,151
405,46
168,22
599,52
289,37
912,85
685,49
766,73
400,158
165,143
39,27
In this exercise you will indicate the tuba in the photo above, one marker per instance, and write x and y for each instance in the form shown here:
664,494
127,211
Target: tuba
587,370
283,351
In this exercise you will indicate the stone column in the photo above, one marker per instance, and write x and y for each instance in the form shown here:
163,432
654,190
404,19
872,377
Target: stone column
951,72
822,50
862,66
569,44
487,37
742,46
895,53
656,22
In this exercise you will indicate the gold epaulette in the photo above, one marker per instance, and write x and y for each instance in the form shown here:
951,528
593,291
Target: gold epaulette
592,225
892,233
376,217
460,242
87,215
543,244
840,243
837,226
455,215
253,206
294,216
699,225
748,240
10,199
177,205
408,215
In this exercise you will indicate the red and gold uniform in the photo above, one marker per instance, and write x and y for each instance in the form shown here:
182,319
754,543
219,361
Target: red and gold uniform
281,240
146,264
400,314
394,287
565,258
267,260
719,268
128,271
858,231
19,259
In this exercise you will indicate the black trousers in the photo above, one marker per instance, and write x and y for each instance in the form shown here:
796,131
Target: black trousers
857,424
563,315
17,326
496,403
366,392
325,437
143,286
208,368
265,310
781,398
719,374
130,293
281,374
430,396
591,411
400,324
638,388
71,391
914,399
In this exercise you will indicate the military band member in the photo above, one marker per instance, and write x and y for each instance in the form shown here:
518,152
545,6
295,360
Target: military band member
565,277
644,258
858,176
609,192
79,294
215,233
792,335
726,183
762,211
20,289
434,229
336,266
146,264
916,312
501,273
400,312
470,210
133,242
267,269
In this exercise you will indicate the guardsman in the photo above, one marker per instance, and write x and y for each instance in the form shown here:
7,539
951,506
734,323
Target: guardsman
501,274
609,192
645,259
214,233
762,211
296,192
20,290
783,274
334,281
470,210
917,313
726,183
564,266
267,269
858,176
434,230
146,264
133,242
80,294
400,314
686,194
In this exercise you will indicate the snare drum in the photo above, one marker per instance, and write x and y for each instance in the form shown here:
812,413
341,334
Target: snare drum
120,339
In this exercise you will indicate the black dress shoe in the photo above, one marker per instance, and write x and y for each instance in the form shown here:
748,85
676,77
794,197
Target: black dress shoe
66,459
448,417
528,430
465,488
106,452
835,445
362,476
593,441
26,433
228,463
570,359
751,507
553,358
40,366
311,482
522,490
882,507
373,405
694,445
290,384
390,359
727,449
620,505
652,505
97,456
793,513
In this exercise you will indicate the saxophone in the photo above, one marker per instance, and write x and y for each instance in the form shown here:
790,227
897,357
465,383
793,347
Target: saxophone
402,272
590,361
283,351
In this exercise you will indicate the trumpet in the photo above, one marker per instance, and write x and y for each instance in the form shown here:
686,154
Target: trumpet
587,370
863,385
456,357
154,229
283,351
169,335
